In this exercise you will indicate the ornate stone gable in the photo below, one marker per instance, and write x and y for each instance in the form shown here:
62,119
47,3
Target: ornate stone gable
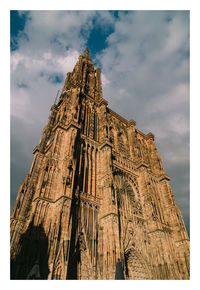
96,197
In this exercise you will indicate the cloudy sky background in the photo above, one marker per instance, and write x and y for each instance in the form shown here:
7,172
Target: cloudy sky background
144,57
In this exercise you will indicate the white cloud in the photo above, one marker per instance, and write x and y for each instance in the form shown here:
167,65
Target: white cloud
178,33
56,29
66,64
104,80
143,67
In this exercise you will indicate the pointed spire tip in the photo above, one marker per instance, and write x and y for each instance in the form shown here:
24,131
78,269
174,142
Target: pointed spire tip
86,51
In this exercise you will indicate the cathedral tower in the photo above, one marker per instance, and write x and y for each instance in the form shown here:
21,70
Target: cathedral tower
96,203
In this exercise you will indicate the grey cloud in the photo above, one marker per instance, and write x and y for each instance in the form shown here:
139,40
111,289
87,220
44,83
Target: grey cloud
22,85
23,139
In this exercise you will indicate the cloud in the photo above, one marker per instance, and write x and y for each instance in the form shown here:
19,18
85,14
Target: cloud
58,28
146,64
142,66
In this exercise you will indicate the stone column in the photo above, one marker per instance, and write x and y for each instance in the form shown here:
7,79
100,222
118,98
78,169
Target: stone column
108,214
93,171
85,166
131,132
89,169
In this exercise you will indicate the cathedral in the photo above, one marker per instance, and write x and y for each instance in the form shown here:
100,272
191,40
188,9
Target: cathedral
96,203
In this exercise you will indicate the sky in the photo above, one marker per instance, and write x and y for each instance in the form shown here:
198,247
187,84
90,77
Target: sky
145,62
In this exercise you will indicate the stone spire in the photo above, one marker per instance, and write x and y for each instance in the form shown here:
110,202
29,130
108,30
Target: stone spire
86,52
85,77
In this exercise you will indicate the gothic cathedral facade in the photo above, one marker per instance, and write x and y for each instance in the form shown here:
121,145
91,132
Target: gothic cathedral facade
96,203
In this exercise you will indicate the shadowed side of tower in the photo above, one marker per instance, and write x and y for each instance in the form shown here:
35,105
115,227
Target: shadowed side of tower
96,203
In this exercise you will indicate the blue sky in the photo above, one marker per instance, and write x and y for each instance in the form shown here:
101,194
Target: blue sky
144,56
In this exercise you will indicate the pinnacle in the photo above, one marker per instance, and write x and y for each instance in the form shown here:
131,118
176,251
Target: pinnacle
86,52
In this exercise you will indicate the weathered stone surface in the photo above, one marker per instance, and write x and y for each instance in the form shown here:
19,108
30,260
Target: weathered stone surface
96,203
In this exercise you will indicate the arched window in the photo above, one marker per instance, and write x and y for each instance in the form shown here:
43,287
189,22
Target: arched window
126,201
